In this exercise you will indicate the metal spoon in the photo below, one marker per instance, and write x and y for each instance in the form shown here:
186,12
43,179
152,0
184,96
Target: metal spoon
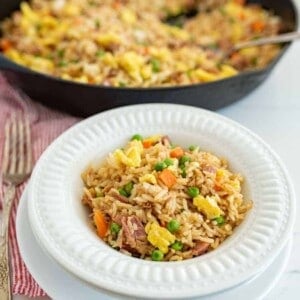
281,38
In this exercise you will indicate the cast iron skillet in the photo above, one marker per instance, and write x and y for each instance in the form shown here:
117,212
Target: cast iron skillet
84,100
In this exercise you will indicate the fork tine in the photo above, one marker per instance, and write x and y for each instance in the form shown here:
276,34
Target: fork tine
21,148
28,146
5,161
13,145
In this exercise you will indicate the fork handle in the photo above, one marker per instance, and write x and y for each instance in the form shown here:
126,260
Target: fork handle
5,289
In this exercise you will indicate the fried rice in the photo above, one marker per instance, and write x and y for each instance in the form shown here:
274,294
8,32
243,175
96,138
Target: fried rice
129,43
160,202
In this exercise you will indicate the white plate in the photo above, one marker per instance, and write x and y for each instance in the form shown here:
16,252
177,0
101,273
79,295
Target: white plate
60,222
60,284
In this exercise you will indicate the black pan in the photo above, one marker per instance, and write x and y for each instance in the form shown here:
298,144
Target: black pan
84,100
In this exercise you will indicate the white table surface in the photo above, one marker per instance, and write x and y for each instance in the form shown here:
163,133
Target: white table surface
273,112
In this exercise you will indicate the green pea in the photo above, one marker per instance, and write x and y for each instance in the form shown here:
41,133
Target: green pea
183,160
157,255
168,162
254,61
160,166
177,246
128,188
62,64
193,191
115,228
183,171
61,53
173,226
220,220
100,53
97,23
137,137
192,147
155,65
123,192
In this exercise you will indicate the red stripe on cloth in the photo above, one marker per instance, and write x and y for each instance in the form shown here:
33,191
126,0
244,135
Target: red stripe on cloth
46,125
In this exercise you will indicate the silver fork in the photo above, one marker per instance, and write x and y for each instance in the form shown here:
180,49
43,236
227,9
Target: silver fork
16,167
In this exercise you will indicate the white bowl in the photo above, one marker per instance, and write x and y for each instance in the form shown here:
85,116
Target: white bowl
61,225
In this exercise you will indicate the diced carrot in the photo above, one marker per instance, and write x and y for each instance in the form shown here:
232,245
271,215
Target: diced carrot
217,188
144,50
242,15
240,2
167,177
5,44
100,223
235,56
176,152
116,5
147,144
258,26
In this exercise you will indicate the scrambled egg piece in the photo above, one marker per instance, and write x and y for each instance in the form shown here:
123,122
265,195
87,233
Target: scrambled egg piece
28,13
150,178
222,174
128,16
208,206
15,56
71,10
233,9
250,52
204,76
108,39
227,71
237,32
178,33
109,60
159,236
132,63
146,72
161,53
131,156
39,64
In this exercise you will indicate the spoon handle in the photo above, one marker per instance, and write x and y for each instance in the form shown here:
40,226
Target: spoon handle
286,37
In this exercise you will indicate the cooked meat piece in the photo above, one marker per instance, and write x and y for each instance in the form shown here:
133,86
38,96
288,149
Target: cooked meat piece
134,233
200,248
115,194
166,140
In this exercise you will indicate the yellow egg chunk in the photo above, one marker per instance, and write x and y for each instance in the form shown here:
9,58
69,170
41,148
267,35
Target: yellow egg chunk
227,71
203,75
131,157
120,157
108,39
208,206
71,10
159,237
150,178
136,144
128,16
28,13
222,174
132,63
134,156
160,53
109,60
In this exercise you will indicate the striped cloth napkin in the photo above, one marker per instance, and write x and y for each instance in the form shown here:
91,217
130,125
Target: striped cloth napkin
46,125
